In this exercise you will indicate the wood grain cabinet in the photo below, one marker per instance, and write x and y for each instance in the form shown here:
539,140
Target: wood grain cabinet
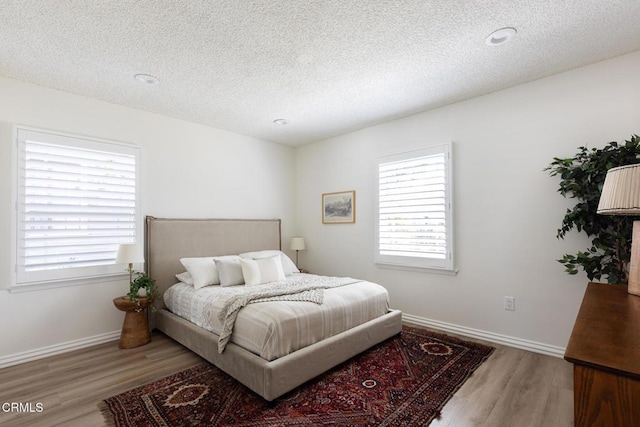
605,351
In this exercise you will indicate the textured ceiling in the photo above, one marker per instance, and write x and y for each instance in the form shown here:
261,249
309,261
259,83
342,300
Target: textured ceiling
328,67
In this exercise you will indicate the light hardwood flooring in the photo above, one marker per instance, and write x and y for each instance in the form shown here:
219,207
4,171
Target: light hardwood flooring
513,388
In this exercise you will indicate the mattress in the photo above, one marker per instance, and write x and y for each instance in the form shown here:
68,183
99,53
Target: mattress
274,329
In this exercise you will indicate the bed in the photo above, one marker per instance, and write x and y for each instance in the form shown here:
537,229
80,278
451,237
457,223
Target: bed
167,240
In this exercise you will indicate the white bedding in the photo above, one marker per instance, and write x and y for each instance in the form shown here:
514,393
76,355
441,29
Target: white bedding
275,328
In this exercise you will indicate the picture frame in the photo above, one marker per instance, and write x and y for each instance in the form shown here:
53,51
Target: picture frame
339,207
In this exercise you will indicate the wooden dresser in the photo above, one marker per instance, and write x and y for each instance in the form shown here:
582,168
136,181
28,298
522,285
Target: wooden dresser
605,351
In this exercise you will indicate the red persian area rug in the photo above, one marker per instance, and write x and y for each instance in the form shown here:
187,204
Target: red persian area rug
404,381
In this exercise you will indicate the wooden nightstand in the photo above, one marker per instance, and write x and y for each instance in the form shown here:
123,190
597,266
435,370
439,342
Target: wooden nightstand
135,329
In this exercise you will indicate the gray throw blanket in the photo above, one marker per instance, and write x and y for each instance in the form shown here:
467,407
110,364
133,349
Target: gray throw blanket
307,287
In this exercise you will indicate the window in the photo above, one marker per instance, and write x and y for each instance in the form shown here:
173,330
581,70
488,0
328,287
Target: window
413,220
77,199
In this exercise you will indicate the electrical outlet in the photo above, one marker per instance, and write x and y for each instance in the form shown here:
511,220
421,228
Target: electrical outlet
510,303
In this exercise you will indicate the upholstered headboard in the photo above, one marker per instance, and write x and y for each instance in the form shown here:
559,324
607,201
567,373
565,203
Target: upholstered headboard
169,239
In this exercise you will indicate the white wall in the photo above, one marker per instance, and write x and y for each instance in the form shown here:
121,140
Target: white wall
188,170
507,209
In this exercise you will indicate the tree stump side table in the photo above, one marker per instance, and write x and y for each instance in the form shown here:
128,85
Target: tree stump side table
135,329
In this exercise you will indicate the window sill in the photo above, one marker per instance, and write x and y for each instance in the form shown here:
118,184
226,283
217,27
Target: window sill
428,270
81,281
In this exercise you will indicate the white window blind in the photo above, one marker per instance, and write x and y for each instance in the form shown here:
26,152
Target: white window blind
77,200
414,226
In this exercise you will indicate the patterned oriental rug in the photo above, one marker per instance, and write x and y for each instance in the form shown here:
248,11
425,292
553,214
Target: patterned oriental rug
404,381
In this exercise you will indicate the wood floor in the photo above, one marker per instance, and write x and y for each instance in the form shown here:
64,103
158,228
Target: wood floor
513,388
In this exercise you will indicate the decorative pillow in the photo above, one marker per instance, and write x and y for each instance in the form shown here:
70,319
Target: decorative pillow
202,270
263,270
229,271
185,278
288,266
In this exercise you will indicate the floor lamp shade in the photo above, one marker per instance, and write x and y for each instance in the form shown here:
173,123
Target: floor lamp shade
621,196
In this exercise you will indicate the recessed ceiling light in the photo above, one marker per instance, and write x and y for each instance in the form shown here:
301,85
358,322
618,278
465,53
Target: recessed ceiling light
146,78
281,121
501,36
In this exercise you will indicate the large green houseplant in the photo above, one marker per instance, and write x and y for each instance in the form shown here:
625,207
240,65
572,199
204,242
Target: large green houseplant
582,178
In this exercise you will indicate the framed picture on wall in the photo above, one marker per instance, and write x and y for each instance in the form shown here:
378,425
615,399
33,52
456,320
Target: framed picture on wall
339,208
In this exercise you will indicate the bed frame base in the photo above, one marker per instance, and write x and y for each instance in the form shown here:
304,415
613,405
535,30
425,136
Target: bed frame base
169,239
275,378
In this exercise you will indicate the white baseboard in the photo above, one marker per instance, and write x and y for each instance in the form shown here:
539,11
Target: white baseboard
536,347
40,353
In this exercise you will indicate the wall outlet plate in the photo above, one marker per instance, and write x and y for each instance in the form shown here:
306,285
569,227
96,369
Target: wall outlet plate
510,303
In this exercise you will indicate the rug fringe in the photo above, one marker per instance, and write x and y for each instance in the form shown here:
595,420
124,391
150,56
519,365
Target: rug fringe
107,414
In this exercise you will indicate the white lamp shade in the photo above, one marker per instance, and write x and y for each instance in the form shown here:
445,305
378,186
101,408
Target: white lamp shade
297,244
621,191
130,253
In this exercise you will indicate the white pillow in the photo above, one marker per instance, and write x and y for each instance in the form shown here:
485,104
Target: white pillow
202,270
263,270
229,271
288,266
185,278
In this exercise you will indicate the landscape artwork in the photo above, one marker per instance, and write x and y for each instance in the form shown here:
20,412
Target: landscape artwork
339,208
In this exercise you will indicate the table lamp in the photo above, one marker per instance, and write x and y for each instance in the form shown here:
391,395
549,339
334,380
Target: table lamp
621,196
297,244
128,254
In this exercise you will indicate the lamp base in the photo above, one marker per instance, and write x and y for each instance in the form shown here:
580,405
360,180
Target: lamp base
634,262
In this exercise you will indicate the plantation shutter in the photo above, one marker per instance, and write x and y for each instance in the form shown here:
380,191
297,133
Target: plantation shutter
414,226
77,201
